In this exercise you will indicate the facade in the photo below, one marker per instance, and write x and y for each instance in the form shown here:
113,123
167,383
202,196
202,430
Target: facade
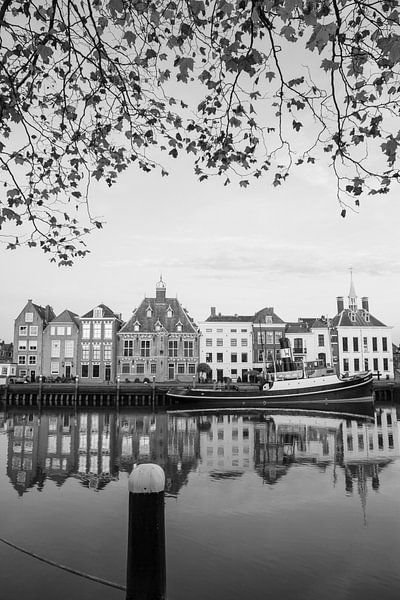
160,341
310,341
268,329
360,342
6,352
60,346
226,345
97,353
28,338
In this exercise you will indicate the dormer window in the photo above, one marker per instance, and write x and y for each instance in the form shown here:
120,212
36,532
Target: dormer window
170,312
366,316
98,313
149,311
352,317
158,326
179,326
136,326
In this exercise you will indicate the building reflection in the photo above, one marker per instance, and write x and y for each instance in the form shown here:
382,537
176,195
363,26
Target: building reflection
94,447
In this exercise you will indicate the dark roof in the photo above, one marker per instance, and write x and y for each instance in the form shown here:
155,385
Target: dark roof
313,322
159,314
231,318
67,316
267,311
107,313
296,327
47,314
343,319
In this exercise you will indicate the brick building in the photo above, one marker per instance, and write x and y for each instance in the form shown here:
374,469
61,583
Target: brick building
159,341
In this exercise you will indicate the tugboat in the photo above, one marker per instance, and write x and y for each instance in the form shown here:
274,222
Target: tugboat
289,387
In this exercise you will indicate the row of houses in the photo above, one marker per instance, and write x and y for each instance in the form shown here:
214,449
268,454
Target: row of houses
162,342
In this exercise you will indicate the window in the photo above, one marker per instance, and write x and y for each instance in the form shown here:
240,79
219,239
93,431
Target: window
219,330
85,371
244,356
374,344
179,327
55,368
243,342
52,330
85,352
260,356
208,357
208,342
352,316
33,330
153,368
108,326
136,327
128,347
350,442
126,368
32,360
28,317
355,344
32,345
278,335
220,357
208,330
384,344
220,342
360,441
97,329
260,337
233,342
385,364
376,367
55,348
107,352
233,371
22,345
98,313
188,349
170,312
345,365
321,339
145,348
365,344
23,330
149,312
233,330
96,371
234,357
268,318
181,368
243,330
192,368
345,344
140,368
269,338
173,348
96,353
68,330
69,348
366,364
356,364
61,330
86,330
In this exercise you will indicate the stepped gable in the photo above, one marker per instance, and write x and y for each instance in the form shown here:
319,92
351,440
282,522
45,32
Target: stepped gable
267,311
343,319
107,313
66,316
159,311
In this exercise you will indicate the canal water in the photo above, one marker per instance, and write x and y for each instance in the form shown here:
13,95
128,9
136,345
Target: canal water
258,504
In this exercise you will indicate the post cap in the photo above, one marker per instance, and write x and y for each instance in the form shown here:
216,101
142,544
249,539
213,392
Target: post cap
147,478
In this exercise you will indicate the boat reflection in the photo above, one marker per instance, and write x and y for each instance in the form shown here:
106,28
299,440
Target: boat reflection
94,447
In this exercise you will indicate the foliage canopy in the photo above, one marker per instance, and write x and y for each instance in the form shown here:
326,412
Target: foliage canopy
245,86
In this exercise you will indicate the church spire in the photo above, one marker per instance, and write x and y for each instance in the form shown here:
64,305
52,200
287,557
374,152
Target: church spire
352,293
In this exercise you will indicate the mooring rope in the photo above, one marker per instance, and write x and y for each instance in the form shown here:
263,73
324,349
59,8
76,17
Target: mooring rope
47,561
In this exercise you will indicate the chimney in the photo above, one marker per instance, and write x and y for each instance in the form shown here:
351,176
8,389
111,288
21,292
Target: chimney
340,303
48,313
213,311
365,303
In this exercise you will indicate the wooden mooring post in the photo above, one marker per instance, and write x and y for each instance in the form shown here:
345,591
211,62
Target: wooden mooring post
146,567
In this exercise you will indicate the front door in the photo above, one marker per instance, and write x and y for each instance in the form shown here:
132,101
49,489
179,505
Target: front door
107,373
171,371
220,374
68,371
33,376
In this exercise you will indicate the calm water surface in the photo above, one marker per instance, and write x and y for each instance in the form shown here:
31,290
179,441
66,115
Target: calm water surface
258,505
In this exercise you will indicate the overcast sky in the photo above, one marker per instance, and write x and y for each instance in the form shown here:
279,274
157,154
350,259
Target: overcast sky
233,248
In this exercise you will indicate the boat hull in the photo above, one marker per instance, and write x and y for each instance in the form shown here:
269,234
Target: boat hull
333,395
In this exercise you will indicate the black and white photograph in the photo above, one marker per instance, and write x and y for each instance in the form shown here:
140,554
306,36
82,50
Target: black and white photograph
199,299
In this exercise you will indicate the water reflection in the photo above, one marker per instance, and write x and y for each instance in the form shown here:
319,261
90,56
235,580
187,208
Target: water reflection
94,447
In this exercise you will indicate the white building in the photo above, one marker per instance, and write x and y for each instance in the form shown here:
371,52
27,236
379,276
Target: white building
226,345
310,340
360,342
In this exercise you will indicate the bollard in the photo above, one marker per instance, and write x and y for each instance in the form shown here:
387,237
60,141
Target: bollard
40,393
146,571
117,397
76,391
